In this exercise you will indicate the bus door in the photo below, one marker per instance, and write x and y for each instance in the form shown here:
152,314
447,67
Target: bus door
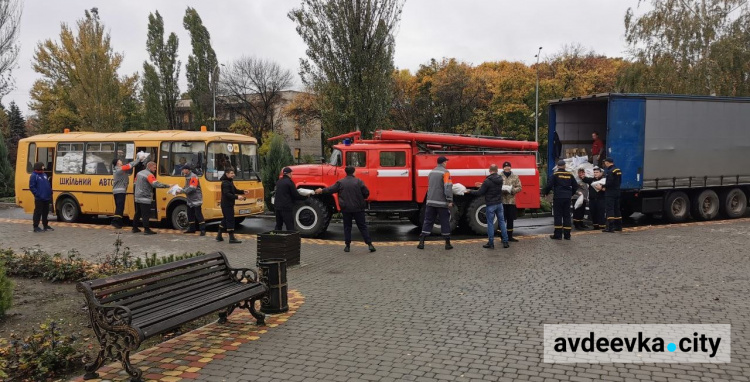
153,152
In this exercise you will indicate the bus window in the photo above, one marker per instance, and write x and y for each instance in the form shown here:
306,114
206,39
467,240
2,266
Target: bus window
99,156
241,157
164,161
69,158
32,158
182,153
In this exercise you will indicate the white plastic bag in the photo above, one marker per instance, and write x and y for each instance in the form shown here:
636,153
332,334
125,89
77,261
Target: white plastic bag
305,191
459,189
579,202
142,156
507,188
174,190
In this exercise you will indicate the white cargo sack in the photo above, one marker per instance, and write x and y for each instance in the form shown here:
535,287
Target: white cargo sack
305,191
579,202
174,190
507,188
142,156
459,189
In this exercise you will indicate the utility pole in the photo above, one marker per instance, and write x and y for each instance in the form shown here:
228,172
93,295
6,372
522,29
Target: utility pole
536,113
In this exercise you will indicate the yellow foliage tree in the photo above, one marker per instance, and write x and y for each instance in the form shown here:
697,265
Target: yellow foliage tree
80,87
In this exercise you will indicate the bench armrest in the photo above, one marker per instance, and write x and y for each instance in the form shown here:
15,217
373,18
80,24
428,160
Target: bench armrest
111,316
241,274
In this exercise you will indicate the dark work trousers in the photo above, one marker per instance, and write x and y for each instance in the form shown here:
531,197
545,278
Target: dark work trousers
510,213
596,212
41,212
119,208
614,215
142,213
227,221
285,217
430,213
359,218
579,213
561,211
195,217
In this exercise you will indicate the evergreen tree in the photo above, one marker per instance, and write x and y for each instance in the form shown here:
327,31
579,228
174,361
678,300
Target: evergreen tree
279,156
7,179
201,69
160,87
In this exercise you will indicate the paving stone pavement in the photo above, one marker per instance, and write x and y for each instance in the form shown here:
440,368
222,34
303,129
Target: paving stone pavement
401,314
471,314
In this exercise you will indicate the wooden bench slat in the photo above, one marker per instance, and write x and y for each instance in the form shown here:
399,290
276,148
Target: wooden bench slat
167,303
188,306
164,325
151,271
125,296
149,280
136,301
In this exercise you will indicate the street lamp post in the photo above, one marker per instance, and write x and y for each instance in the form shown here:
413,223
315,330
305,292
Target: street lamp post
213,80
536,113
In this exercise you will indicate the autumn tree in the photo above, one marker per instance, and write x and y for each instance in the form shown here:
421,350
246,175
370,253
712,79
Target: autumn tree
160,76
80,87
690,47
10,18
349,62
252,88
202,68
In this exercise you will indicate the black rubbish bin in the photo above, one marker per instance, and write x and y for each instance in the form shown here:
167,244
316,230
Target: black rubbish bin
272,273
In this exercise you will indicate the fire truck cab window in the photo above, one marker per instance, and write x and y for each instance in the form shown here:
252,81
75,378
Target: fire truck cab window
356,158
335,158
392,159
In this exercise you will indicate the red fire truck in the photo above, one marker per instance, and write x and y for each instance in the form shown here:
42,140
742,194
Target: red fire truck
395,164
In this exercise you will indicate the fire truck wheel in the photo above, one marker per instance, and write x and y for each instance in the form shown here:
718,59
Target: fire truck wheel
310,217
436,227
476,216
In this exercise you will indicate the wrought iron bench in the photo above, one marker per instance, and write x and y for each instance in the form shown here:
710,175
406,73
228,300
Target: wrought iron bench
129,308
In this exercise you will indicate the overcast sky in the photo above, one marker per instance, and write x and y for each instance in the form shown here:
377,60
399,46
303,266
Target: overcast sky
474,31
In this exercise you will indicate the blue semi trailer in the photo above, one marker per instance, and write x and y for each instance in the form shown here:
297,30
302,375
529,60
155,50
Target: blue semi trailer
680,156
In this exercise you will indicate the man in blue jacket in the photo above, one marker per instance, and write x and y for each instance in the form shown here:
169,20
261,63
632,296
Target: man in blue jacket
41,187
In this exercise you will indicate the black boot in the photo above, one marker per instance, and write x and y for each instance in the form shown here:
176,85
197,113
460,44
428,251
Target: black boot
510,236
371,247
232,239
346,248
489,245
609,227
448,243
506,245
218,235
421,242
203,229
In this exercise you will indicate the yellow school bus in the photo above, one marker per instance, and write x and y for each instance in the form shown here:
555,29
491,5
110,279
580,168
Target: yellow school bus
79,165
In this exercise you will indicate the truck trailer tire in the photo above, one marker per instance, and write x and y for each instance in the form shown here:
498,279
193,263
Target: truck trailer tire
310,217
705,205
476,216
733,203
436,227
677,207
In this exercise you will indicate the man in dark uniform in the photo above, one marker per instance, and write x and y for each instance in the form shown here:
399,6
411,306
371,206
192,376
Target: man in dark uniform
562,183
286,195
612,196
596,199
352,194
580,212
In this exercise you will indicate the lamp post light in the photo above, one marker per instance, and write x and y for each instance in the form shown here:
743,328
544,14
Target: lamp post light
213,80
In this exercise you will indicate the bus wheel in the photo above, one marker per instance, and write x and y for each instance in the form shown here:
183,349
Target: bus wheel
436,225
677,207
733,203
476,216
68,210
179,217
310,217
705,205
